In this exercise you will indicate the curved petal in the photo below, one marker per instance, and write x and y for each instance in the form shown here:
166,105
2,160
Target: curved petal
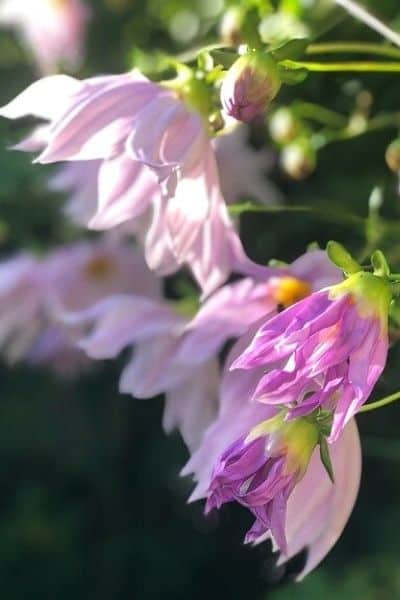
99,119
192,405
318,510
126,189
228,313
46,99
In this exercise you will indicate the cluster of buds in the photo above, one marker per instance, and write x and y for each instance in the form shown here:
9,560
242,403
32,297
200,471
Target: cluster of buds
298,157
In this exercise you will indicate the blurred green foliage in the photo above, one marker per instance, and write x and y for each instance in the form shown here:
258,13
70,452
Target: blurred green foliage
91,504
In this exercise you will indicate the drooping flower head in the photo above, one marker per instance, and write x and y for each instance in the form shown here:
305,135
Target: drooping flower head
53,30
155,160
302,510
249,86
327,350
261,470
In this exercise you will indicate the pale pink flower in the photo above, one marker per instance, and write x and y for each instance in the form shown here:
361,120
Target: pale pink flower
153,329
156,157
53,30
176,355
243,170
230,311
34,292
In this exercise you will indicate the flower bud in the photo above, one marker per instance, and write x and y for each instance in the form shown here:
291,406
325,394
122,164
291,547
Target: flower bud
392,156
283,126
298,159
231,25
249,86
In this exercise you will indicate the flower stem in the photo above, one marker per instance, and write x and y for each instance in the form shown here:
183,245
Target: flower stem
315,112
353,48
344,67
380,403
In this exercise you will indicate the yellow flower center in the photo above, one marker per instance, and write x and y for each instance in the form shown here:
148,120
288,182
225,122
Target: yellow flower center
289,290
99,267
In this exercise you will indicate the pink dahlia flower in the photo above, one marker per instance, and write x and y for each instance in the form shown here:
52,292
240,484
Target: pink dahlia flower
175,355
155,154
231,310
54,30
261,469
153,329
248,456
34,292
326,351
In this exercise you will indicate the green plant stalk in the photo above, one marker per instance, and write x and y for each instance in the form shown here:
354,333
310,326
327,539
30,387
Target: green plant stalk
344,67
353,48
320,114
380,403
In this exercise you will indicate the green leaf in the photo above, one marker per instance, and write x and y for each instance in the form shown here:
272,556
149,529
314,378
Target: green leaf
150,63
226,58
293,49
342,258
380,264
291,76
325,457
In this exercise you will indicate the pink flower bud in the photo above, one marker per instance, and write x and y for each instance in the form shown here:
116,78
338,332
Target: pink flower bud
249,86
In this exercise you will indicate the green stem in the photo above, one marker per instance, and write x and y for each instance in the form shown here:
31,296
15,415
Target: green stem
328,136
353,48
344,67
315,112
380,403
330,216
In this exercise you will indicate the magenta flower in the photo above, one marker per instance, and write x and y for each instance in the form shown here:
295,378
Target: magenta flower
270,471
260,471
249,86
142,174
326,351
54,31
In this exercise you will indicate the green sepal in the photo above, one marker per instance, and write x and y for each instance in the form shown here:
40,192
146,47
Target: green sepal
394,311
226,58
325,457
324,420
380,264
205,61
150,63
342,258
291,76
275,262
293,49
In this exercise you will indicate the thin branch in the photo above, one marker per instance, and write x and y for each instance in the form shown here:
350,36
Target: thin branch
361,13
